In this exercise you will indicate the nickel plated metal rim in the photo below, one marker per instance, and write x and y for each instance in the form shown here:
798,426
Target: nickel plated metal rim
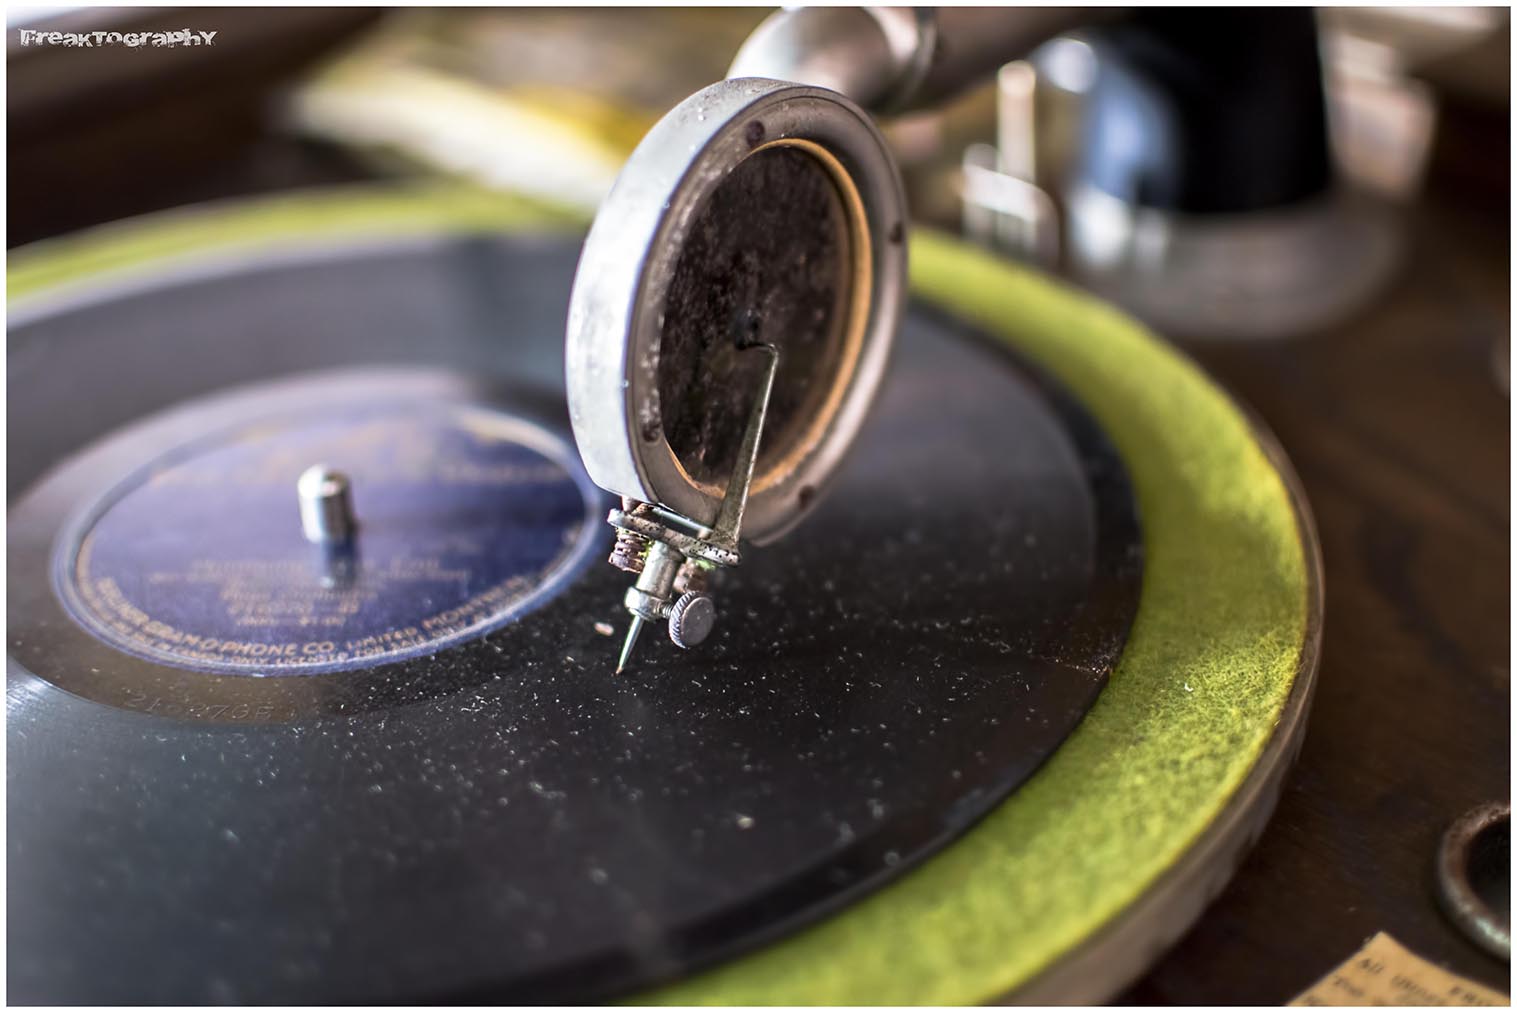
615,321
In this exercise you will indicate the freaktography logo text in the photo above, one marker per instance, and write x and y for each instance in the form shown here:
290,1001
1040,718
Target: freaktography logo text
132,40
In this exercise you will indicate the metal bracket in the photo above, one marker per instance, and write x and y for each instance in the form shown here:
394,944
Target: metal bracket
667,551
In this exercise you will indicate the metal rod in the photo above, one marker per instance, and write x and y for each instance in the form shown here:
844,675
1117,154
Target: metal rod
326,505
729,519
894,59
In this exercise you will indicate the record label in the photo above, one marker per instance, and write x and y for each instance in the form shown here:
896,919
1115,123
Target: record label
465,519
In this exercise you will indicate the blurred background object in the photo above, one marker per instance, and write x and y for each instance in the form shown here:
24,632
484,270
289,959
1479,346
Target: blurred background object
1249,227
102,133
544,102
1223,173
1219,173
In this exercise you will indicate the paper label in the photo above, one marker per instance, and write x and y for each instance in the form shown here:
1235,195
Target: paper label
1385,973
467,519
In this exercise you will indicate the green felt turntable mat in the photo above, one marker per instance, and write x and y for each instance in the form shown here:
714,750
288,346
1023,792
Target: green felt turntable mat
1225,631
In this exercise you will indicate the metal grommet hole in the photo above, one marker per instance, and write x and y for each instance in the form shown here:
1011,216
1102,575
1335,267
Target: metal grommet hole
1475,877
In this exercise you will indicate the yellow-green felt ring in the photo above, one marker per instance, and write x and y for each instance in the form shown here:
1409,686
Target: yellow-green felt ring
1075,882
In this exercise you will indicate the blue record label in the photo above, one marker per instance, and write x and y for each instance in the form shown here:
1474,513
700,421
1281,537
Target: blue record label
466,519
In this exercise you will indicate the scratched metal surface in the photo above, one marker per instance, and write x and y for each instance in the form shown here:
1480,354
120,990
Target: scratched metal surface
506,820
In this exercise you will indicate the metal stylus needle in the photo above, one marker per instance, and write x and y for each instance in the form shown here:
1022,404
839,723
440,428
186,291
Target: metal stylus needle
627,645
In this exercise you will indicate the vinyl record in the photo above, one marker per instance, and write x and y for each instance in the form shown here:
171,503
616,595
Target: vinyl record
243,769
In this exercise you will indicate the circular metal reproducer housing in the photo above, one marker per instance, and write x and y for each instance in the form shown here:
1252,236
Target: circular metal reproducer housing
756,212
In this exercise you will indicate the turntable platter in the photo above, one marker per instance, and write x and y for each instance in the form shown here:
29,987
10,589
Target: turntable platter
404,876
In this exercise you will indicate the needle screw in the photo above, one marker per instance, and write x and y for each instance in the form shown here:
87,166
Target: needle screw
691,619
